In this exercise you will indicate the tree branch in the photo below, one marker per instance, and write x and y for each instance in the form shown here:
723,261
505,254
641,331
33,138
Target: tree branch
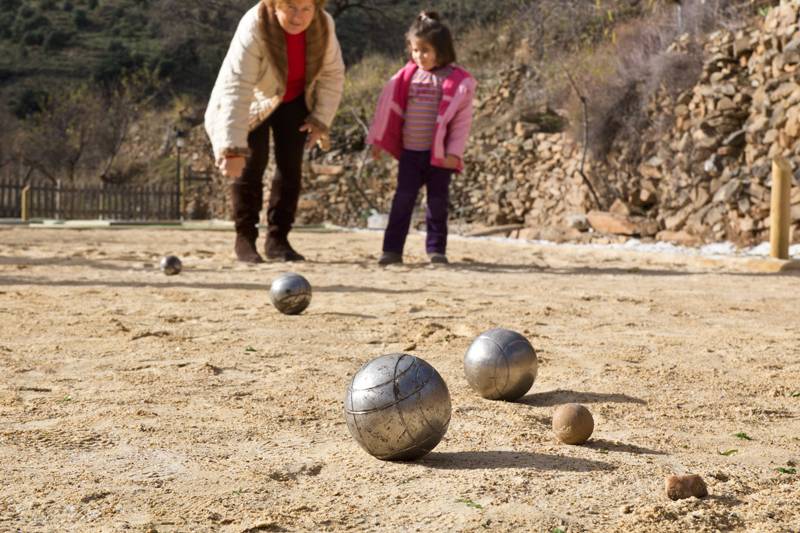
585,110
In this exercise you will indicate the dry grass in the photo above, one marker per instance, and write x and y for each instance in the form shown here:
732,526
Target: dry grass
362,88
621,75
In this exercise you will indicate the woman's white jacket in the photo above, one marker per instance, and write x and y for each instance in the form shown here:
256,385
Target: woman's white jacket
252,80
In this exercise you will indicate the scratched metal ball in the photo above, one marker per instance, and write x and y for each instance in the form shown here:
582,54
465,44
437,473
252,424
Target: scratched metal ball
290,293
171,265
501,364
397,407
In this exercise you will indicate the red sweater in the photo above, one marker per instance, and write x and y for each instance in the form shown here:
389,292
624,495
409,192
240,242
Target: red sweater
296,54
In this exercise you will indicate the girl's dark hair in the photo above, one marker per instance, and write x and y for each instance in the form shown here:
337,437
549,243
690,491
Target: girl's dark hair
429,28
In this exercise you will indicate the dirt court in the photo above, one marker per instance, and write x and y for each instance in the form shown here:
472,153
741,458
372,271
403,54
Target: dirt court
133,401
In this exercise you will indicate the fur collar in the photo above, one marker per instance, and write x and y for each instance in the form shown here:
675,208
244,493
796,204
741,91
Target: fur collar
317,36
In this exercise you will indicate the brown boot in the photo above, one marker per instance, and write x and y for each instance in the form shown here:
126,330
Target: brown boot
245,249
279,249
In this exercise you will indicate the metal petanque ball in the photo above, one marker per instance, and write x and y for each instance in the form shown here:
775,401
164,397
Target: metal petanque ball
397,407
290,293
171,265
501,364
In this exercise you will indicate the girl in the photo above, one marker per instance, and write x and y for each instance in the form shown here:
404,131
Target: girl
423,119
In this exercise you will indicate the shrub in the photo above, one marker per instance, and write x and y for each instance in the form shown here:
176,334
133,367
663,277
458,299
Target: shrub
57,39
363,85
9,6
39,22
80,19
26,12
178,60
28,102
618,80
116,63
6,23
33,38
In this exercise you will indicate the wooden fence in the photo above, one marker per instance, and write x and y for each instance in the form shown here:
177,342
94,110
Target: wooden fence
109,202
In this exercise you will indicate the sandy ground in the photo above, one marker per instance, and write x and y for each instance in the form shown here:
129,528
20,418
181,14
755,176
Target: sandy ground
133,401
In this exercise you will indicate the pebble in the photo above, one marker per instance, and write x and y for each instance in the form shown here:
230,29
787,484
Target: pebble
680,487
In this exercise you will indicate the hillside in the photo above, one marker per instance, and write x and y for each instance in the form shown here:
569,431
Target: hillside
47,45
105,84
675,137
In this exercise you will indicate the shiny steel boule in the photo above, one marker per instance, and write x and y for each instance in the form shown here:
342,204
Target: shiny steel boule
290,293
170,265
501,364
397,407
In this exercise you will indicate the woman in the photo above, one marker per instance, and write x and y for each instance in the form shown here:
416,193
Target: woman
284,72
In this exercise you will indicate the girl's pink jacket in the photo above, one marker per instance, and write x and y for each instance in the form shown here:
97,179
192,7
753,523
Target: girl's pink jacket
452,123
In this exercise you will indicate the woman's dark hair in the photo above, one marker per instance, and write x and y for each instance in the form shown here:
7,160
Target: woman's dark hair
429,28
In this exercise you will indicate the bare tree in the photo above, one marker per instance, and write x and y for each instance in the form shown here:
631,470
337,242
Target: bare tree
121,107
179,18
55,141
376,7
81,132
6,132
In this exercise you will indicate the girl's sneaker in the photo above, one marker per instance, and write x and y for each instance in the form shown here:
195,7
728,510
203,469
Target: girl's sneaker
390,258
438,259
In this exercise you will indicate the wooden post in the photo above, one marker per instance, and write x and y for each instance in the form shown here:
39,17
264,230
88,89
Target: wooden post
25,201
182,195
59,214
780,216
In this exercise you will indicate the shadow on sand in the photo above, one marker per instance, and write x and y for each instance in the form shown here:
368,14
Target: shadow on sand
620,447
492,460
183,282
560,396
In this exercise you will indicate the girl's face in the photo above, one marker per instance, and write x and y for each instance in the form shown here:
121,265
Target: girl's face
295,16
422,53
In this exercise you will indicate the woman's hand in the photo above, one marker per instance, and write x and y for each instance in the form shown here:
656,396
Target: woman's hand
376,153
314,133
451,161
231,167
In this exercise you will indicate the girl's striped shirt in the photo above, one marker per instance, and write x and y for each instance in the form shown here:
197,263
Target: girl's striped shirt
424,95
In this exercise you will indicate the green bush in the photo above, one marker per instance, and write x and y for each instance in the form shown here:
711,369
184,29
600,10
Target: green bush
130,26
33,38
34,24
39,22
27,102
116,63
178,61
80,19
57,39
9,6
26,12
6,23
